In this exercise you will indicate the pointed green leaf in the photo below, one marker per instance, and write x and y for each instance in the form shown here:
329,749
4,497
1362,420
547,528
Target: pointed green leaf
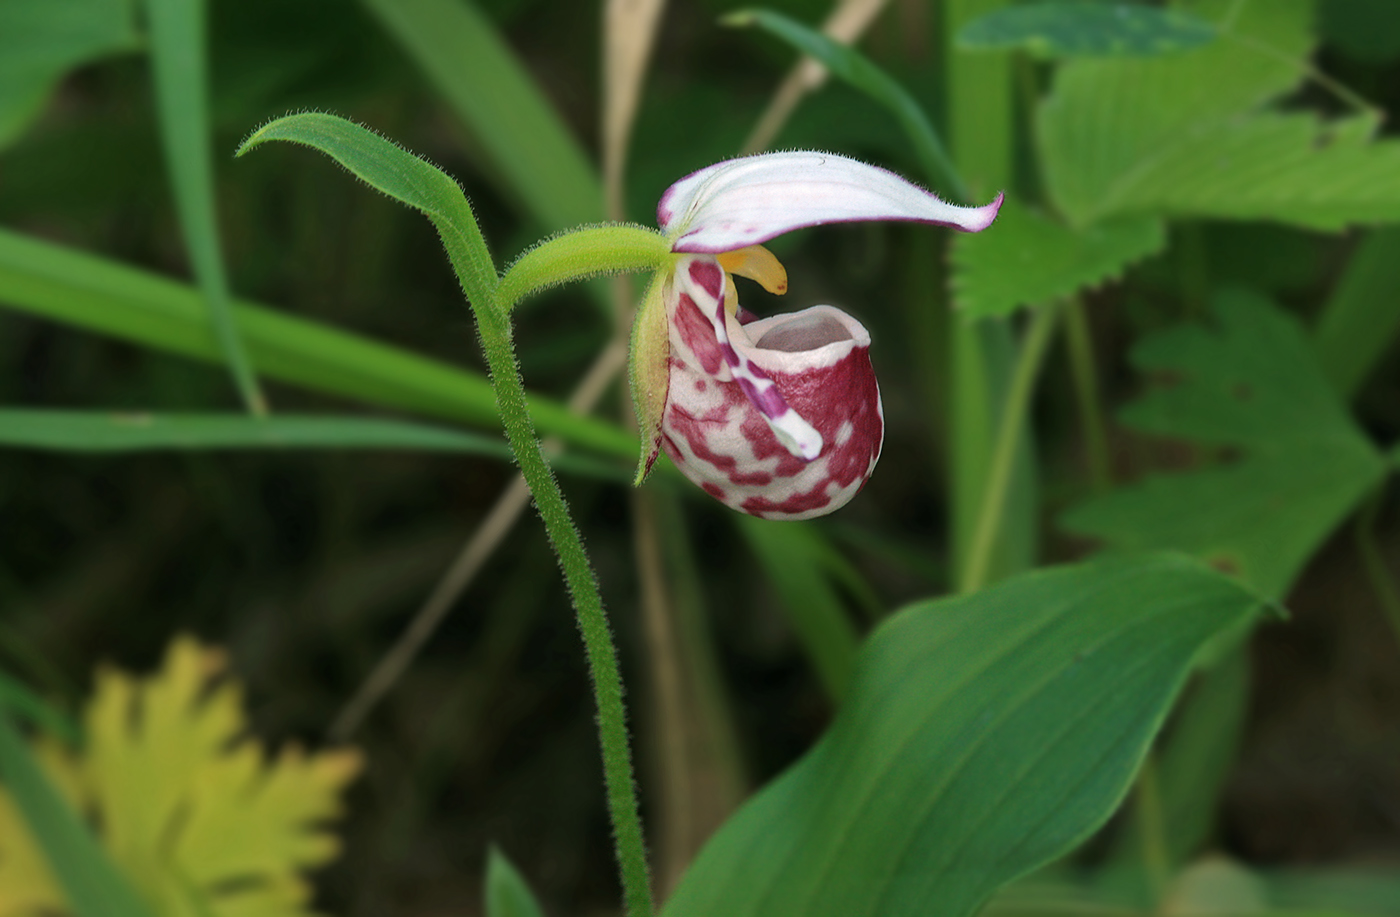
507,892
1088,30
1105,119
1252,384
1362,316
982,737
1031,259
41,40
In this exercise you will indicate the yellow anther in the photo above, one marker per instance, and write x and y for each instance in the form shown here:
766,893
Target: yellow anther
756,263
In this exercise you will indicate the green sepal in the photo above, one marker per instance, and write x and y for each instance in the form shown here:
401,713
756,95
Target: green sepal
648,369
589,251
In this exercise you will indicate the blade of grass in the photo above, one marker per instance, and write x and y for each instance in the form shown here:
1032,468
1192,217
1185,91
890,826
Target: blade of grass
850,65
17,697
1361,318
110,298
93,886
106,431
474,70
182,88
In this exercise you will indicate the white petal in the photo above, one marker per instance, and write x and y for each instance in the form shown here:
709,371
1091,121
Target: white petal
747,201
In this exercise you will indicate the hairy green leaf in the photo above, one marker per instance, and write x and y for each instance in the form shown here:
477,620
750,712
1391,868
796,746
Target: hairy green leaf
41,40
982,737
1031,259
1086,29
1251,384
1105,119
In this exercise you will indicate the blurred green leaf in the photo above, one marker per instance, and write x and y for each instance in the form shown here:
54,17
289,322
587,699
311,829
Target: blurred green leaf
90,882
1295,169
477,73
110,298
849,65
41,40
507,893
795,561
1361,29
1252,384
182,90
1106,119
1029,259
1360,319
1087,30
982,737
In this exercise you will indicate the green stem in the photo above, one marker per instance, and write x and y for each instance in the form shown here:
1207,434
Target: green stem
1371,559
1086,390
583,590
1013,418
1152,827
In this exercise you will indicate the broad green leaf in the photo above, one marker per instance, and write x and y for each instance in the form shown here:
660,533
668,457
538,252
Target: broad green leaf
982,737
1193,762
507,892
1087,29
1031,259
852,67
1362,316
41,40
62,866
110,298
182,78
1105,119
1291,168
1252,384
475,71
794,561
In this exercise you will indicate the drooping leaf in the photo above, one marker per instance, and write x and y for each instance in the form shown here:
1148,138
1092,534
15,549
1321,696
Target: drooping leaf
1031,259
1104,119
982,736
507,892
1086,29
1251,384
41,40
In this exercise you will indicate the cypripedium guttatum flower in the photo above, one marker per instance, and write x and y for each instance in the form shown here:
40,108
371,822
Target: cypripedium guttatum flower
777,417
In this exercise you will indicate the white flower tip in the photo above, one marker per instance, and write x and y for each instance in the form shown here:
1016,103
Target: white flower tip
979,218
797,435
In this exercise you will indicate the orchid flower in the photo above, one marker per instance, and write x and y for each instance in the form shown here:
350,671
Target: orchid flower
777,417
